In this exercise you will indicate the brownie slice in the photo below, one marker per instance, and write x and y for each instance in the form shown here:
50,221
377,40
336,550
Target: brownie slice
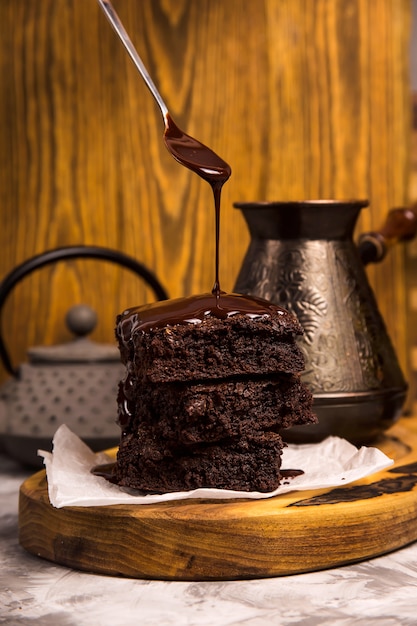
249,464
214,349
185,414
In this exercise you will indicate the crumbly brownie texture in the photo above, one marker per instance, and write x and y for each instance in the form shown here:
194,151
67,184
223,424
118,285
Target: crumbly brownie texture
214,349
186,414
248,464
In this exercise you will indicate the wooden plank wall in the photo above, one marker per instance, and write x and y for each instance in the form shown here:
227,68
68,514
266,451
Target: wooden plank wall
304,98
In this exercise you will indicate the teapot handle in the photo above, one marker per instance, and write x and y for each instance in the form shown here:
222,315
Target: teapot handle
70,252
400,225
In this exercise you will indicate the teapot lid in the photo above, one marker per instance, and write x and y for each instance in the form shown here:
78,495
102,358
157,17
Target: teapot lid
81,320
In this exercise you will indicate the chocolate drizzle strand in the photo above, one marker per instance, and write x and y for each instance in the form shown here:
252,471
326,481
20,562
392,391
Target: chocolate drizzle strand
207,164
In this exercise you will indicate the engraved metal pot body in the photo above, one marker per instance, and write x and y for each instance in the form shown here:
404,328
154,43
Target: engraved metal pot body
302,257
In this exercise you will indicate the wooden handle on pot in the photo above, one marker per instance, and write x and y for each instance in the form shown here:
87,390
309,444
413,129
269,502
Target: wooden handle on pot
400,225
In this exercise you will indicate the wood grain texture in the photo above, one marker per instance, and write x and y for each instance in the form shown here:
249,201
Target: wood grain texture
304,99
209,540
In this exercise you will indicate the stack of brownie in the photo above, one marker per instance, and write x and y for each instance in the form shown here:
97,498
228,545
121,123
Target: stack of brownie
204,401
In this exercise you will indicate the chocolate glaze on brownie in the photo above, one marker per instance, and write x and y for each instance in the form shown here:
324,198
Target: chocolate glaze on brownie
195,309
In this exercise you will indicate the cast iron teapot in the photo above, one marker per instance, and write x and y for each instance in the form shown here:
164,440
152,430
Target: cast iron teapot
75,383
302,256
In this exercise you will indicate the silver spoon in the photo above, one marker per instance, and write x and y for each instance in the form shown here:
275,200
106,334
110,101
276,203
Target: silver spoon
184,148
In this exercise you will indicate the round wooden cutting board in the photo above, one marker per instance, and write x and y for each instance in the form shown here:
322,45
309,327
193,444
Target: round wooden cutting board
234,539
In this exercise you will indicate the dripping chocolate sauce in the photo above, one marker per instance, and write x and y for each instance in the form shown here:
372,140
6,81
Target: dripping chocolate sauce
207,164
215,171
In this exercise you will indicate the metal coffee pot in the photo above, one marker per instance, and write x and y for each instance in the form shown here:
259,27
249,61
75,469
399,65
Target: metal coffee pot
302,257
74,383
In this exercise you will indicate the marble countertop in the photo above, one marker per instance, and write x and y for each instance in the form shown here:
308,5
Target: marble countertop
380,591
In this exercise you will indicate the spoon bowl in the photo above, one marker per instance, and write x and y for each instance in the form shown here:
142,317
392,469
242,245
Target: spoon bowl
185,149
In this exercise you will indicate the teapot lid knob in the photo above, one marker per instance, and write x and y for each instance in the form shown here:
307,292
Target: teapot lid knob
81,320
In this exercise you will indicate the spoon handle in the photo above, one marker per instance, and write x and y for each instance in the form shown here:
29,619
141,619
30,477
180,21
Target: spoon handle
120,30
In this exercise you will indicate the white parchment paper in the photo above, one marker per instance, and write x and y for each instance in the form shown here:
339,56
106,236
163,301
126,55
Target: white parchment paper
331,463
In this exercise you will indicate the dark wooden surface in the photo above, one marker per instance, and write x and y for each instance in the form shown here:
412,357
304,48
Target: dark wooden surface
304,99
206,540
